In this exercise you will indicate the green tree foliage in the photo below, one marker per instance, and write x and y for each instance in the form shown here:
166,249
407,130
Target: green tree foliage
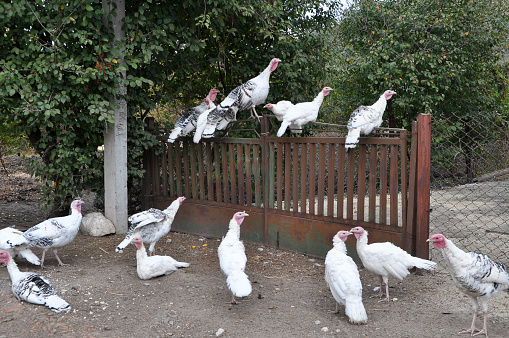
58,78
439,56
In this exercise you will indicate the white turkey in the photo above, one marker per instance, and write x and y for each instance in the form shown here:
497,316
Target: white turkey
302,113
232,259
154,266
32,287
151,225
187,122
55,233
386,259
342,277
476,275
366,118
279,109
246,96
12,241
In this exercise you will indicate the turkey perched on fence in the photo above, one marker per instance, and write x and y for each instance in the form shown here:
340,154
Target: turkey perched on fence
279,109
302,113
386,259
12,241
55,233
32,287
342,277
153,266
232,259
187,122
151,225
476,275
246,96
366,118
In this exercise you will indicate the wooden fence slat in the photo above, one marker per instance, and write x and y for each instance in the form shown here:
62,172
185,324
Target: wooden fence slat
341,182
217,169
185,159
361,182
312,177
233,176
247,161
240,174
171,171
164,170
209,171
295,178
383,185
279,175
193,164
394,185
287,178
321,178
256,175
373,160
350,178
226,183
272,176
303,177
331,179
404,177
178,166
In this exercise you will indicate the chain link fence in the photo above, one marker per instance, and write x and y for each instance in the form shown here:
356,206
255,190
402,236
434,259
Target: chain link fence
470,183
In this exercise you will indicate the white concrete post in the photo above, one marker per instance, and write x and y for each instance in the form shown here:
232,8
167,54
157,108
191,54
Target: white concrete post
115,135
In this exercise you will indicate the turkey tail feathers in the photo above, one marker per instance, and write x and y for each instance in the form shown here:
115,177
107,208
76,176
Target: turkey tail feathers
356,312
57,304
174,134
123,244
30,256
352,138
423,263
239,283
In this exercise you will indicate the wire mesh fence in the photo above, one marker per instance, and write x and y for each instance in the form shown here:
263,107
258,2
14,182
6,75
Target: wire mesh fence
470,183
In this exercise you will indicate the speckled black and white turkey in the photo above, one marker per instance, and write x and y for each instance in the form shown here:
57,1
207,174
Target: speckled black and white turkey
55,232
366,118
151,225
246,96
186,123
32,287
12,241
475,275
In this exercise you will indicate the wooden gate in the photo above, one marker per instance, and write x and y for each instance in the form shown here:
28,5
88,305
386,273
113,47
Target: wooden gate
298,191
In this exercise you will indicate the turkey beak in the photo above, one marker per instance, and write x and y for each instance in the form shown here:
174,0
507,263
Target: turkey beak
428,240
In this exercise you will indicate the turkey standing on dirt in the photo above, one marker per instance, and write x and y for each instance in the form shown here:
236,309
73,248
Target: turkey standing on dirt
12,241
476,275
151,225
386,259
366,118
56,232
187,122
246,96
154,266
232,259
32,287
342,277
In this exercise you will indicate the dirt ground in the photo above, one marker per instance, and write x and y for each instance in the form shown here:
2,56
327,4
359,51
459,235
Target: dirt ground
289,298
